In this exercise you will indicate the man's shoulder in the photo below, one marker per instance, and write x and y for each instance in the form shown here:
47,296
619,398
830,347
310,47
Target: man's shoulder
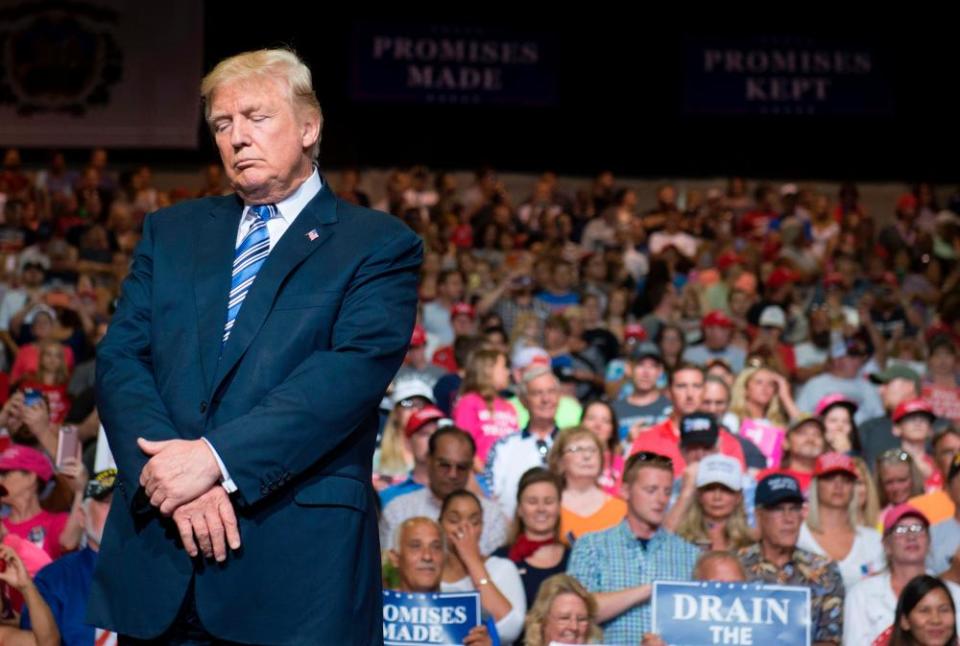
814,565
405,500
186,211
372,224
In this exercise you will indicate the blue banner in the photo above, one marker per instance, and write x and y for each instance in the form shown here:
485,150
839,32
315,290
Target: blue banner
741,614
415,618
784,75
452,64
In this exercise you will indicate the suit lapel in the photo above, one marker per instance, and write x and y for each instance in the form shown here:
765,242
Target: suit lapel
215,244
308,233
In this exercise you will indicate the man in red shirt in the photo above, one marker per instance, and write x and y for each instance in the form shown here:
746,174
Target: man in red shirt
686,392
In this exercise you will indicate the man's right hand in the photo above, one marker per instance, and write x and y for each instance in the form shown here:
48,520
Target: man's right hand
212,521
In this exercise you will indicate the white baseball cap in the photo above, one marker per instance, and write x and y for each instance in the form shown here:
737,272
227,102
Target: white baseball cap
412,387
773,316
720,469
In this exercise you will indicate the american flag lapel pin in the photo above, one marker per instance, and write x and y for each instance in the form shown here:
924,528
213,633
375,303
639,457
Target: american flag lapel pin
312,235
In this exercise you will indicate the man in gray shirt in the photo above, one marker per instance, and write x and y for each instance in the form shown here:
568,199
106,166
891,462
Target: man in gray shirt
945,535
847,358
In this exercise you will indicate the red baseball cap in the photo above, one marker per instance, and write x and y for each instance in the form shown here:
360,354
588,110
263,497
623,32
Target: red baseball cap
419,337
24,458
906,201
462,308
902,510
912,406
717,318
833,462
781,276
421,418
728,259
836,399
833,279
634,331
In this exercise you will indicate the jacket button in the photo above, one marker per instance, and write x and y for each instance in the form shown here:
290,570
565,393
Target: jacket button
203,407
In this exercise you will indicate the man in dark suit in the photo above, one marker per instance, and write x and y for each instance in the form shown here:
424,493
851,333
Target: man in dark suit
239,383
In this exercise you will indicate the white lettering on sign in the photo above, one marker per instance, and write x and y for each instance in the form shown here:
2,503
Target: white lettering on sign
710,608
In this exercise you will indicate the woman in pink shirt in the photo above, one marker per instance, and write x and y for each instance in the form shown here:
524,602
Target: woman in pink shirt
600,419
24,473
480,410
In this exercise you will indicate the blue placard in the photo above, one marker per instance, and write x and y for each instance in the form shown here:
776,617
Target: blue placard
785,75
732,614
415,618
446,64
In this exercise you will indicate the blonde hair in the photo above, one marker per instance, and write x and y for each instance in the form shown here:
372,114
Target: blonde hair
888,458
813,507
692,527
60,376
738,398
392,459
478,375
869,514
550,589
565,439
283,64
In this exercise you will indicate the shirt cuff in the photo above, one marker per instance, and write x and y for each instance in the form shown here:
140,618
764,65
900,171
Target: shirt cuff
225,480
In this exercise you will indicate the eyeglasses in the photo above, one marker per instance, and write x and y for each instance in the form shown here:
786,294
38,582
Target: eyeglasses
585,449
570,619
915,528
894,455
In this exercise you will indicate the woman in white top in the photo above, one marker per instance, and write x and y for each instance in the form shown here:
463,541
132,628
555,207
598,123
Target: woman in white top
831,527
465,569
870,606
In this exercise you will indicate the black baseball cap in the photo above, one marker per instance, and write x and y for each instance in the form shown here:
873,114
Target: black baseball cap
646,350
101,485
699,429
777,488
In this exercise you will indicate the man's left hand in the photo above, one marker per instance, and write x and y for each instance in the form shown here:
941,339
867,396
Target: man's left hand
178,472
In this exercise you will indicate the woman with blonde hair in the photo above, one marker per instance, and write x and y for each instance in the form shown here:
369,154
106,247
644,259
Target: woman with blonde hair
564,612
831,528
865,491
761,401
898,478
577,459
393,459
714,517
480,410
761,393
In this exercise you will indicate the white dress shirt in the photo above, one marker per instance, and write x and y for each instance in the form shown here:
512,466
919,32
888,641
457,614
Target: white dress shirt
287,211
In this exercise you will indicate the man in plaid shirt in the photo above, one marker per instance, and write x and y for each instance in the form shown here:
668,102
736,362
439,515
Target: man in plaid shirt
619,565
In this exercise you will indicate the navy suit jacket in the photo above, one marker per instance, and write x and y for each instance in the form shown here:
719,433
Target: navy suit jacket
290,406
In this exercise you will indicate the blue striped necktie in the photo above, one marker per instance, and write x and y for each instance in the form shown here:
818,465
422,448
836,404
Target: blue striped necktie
248,259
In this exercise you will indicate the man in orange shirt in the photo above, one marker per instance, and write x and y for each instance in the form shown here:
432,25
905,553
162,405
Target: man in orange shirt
686,392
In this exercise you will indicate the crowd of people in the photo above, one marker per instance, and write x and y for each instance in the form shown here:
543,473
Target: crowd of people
733,385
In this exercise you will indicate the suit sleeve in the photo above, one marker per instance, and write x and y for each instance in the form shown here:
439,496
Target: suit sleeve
128,400
330,394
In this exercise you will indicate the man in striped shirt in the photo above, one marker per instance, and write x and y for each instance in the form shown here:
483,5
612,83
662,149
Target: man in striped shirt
620,564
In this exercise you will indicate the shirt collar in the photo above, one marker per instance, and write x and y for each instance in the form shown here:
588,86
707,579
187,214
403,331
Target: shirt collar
289,207
632,539
526,434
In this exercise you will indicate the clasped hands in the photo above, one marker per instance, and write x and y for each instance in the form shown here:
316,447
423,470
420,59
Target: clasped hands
181,479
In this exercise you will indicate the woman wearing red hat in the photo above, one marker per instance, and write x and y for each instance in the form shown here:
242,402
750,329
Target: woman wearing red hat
913,424
837,413
831,527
